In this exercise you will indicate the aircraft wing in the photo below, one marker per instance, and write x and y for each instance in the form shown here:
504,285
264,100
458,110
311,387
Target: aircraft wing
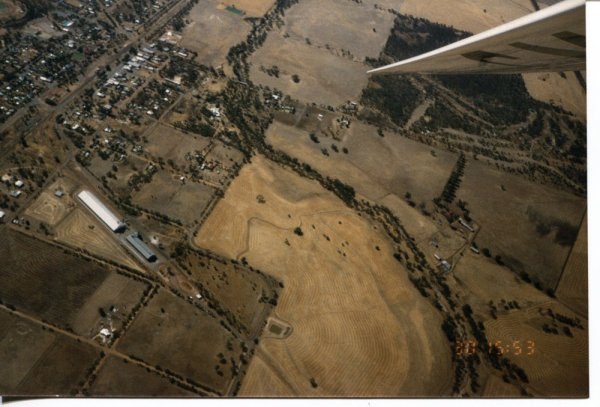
549,40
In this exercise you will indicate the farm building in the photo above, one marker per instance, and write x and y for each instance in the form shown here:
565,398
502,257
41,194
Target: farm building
141,247
101,211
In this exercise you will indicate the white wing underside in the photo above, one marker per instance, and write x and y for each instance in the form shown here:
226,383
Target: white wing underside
550,40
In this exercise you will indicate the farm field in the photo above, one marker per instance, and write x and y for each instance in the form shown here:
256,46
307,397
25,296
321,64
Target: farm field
482,282
81,229
237,288
120,378
212,31
167,195
33,355
402,165
325,78
531,226
52,285
360,29
175,335
342,289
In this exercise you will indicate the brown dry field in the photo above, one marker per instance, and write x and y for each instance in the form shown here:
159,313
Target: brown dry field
170,143
167,195
358,323
119,378
182,339
559,366
75,231
573,285
401,166
358,28
510,220
237,288
324,78
253,8
212,31
32,357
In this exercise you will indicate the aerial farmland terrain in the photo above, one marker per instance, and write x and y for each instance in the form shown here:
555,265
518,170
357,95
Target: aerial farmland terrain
214,199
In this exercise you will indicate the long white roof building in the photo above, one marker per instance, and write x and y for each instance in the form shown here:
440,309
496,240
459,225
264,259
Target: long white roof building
101,211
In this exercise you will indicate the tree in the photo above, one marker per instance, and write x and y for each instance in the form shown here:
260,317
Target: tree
298,231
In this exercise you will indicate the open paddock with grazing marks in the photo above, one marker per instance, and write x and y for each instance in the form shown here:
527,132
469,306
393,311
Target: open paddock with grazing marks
402,165
324,78
343,289
531,226
81,229
173,334
212,31
360,29
117,377
166,194
32,357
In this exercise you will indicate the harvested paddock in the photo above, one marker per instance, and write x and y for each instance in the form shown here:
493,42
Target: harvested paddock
360,29
325,78
167,195
120,378
172,334
212,31
339,291
82,230
531,226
